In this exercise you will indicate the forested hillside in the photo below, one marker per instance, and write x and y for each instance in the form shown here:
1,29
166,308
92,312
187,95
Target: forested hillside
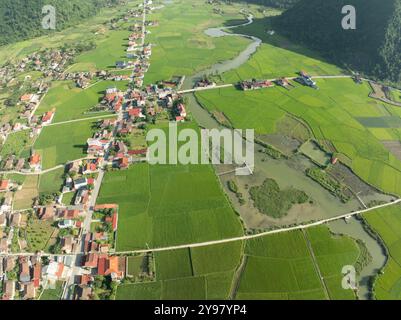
374,47
21,19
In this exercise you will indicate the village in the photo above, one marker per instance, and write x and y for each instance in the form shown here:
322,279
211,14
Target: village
84,239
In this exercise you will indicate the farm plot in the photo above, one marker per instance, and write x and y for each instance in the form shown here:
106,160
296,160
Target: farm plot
23,199
387,223
159,206
17,143
51,182
332,254
40,235
279,267
289,270
187,274
72,103
63,143
104,56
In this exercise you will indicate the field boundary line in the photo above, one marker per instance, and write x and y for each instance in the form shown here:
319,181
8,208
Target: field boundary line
315,264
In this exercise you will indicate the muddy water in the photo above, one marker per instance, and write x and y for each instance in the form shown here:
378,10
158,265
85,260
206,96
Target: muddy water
354,229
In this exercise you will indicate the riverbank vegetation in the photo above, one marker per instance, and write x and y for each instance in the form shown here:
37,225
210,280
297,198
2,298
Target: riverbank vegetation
270,200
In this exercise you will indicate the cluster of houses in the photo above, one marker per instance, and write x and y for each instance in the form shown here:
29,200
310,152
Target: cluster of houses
13,163
21,277
205,83
28,277
50,63
255,84
285,83
306,80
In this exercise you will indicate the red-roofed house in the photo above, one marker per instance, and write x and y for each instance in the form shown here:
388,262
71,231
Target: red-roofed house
48,117
34,161
4,185
110,266
91,260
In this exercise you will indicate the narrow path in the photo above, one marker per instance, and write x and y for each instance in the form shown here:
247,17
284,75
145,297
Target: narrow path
316,265
228,240
237,277
79,120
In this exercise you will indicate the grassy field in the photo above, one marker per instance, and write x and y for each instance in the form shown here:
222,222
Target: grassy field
17,143
278,266
187,274
108,51
332,114
23,199
64,142
159,207
181,48
332,254
387,223
40,235
53,294
68,198
52,181
73,103
289,271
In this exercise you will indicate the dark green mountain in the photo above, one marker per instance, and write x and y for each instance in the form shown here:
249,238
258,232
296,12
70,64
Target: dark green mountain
373,48
21,19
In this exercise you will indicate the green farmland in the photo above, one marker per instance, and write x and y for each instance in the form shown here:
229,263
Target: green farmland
289,269
159,206
187,274
73,103
387,223
62,143
274,267
17,143
332,114
181,48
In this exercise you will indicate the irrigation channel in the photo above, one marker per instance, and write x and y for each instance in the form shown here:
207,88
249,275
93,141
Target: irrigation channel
287,173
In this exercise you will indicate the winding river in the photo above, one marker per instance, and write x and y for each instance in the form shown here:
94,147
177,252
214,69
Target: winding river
281,170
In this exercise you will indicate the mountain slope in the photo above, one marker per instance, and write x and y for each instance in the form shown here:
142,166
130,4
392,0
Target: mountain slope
21,19
372,48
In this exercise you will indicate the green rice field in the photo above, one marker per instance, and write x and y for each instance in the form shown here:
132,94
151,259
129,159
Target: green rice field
62,143
387,223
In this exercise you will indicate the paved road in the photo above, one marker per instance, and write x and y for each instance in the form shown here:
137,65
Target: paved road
241,238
